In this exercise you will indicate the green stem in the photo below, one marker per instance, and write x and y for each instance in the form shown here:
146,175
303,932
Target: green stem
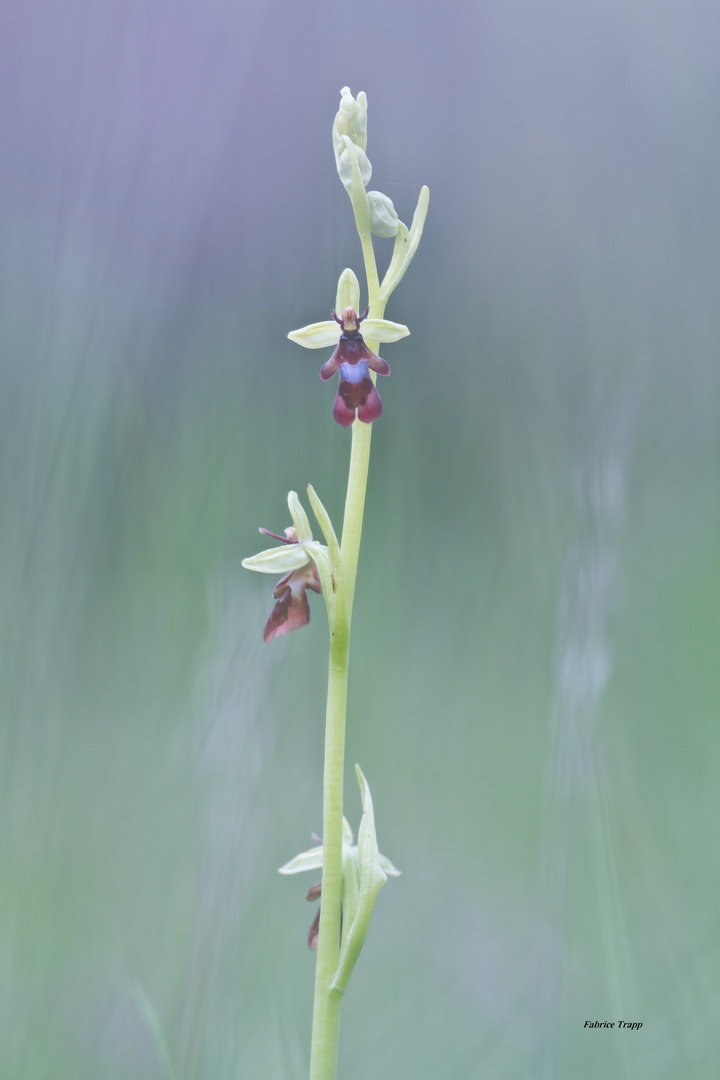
326,1007
355,505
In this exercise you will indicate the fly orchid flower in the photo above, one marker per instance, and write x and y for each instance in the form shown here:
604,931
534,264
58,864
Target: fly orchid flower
298,561
352,357
364,871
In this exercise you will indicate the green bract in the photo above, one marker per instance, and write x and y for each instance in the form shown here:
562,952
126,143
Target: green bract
406,243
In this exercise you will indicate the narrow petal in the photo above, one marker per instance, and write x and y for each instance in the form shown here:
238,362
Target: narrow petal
277,560
318,335
384,330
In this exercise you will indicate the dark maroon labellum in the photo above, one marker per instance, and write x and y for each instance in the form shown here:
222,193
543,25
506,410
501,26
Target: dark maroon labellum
352,359
292,609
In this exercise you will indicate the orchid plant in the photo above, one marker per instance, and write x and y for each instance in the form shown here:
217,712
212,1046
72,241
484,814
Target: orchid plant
352,874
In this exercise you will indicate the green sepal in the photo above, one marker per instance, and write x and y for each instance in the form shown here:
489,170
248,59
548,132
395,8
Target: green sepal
405,247
323,335
277,560
383,330
300,518
306,860
348,293
318,335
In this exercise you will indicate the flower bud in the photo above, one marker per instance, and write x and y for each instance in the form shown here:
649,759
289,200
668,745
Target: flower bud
349,136
344,161
383,218
351,119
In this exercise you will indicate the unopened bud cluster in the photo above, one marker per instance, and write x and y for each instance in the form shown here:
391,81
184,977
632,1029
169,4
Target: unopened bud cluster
350,143
374,211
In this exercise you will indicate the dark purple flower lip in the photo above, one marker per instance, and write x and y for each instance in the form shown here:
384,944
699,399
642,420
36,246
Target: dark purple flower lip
292,609
356,392
352,358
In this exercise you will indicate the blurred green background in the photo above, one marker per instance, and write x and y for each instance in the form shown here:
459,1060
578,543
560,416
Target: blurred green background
534,686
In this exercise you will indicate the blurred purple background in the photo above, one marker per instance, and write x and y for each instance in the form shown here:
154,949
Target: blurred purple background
535,664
